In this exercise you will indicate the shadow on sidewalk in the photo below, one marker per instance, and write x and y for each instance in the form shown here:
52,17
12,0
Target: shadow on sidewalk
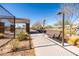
44,46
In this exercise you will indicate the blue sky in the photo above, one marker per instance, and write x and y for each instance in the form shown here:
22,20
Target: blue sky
34,11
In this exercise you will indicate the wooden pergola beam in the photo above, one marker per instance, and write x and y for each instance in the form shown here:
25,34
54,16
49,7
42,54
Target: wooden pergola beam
19,20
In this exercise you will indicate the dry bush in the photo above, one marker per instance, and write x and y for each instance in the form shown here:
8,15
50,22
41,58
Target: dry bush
22,36
1,35
73,40
14,44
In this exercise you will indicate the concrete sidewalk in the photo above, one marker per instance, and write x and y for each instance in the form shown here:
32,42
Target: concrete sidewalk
44,47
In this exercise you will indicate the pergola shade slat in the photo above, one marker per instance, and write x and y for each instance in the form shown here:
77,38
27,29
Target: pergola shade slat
19,20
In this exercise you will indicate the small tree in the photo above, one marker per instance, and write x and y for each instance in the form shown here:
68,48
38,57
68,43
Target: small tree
59,22
37,25
71,12
48,27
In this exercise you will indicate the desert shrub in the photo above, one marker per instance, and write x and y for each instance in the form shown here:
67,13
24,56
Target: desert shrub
68,32
73,33
77,43
22,36
66,37
48,27
1,35
37,27
14,44
72,40
77,46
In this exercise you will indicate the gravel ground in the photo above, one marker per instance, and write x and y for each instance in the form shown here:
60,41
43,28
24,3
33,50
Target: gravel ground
23,51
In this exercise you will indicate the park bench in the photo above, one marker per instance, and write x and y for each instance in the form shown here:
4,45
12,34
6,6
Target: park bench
58,34
54,34
50,33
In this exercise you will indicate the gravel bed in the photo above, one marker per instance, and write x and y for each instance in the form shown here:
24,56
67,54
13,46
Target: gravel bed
23,50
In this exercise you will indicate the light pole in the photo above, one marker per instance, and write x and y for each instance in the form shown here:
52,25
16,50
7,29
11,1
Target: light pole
63,16
44,26
44,23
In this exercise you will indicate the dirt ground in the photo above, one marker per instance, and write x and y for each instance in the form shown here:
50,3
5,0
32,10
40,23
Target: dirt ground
21,53
24,51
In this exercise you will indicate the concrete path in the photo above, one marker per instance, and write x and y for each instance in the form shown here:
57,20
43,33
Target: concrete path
44,47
